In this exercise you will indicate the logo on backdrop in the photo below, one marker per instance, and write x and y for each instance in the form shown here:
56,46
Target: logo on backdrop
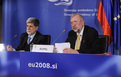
62,2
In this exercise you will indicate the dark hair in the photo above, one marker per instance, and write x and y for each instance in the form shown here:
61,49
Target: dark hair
33,20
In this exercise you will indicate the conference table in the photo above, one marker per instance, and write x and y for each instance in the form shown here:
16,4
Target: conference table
38,64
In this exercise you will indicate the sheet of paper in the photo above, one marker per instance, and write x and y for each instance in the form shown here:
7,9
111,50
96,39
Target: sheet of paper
61,46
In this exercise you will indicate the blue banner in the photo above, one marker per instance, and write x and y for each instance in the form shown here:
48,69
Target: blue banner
34,64
54,16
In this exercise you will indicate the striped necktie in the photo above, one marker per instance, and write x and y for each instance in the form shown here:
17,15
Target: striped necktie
29,38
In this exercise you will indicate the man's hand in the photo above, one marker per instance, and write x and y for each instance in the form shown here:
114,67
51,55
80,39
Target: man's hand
22,50
55,50
70,50
9,48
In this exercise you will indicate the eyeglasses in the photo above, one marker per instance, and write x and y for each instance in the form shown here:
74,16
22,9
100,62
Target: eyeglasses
75,22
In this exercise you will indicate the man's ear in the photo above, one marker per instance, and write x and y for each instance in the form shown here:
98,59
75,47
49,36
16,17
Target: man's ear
83,21
36,27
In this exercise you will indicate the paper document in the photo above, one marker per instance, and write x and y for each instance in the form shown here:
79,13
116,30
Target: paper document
61,46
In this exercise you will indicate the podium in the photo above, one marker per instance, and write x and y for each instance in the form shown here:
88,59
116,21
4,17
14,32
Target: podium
35,64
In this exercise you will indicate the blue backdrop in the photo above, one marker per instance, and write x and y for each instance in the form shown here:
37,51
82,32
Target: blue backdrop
54,16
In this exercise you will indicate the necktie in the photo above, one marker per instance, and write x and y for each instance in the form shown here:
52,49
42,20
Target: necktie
78,42
29,38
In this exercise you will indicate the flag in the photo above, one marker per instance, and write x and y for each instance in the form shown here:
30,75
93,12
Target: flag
117,24
104,16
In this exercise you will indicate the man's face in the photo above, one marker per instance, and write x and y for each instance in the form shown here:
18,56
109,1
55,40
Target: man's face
31,29
77,24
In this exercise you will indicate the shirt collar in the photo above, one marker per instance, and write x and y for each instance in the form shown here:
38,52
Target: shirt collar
81,33
31,36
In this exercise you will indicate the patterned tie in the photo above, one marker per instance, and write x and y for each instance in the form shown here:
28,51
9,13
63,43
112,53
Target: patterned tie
78,42
29,38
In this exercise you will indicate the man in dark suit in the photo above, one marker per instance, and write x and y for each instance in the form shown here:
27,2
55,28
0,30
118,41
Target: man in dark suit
88,37
32,36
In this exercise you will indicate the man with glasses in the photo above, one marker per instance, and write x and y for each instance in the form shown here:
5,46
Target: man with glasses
83,39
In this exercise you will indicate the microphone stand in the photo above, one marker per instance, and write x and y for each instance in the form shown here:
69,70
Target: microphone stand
58,36
10,39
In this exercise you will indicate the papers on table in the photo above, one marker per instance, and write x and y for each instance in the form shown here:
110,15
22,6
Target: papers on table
61,46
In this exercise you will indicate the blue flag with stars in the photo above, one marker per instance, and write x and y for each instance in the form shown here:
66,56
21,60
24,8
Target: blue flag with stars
117,32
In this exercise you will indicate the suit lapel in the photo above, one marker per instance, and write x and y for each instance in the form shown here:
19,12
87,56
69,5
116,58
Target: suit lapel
35,39
83,41
73,40
25,39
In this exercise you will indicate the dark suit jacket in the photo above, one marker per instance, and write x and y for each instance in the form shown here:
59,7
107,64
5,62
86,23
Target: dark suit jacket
38,39
89,42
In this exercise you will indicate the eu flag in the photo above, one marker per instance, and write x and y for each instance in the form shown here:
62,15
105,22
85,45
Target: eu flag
117,32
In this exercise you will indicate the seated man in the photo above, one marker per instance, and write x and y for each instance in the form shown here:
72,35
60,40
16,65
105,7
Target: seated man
32,36
83,39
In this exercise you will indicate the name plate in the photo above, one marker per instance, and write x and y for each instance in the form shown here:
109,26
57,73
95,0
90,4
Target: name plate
2,47
42,48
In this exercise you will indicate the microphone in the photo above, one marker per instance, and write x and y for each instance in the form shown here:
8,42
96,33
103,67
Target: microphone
58,36
10,39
